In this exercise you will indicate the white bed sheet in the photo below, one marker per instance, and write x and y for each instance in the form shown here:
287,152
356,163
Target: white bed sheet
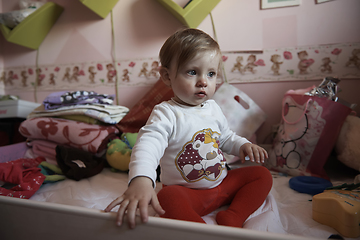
284,210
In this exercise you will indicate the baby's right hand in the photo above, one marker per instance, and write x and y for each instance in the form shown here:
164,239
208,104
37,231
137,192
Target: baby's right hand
139,194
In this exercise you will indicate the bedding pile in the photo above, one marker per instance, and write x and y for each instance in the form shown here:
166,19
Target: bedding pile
72,129
83,120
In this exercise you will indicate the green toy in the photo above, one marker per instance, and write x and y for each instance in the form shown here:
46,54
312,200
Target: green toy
119,151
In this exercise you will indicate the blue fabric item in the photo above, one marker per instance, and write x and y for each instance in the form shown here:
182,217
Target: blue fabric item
308,184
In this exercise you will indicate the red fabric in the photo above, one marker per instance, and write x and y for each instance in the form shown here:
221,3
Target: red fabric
23,172
140,113
245,189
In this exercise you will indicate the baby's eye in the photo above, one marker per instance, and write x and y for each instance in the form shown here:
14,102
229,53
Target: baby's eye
192,72
212,74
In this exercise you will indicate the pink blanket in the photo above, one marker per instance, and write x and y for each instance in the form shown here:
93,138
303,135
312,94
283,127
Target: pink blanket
88,137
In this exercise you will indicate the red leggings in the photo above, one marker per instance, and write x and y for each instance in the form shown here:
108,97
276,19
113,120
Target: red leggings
245,189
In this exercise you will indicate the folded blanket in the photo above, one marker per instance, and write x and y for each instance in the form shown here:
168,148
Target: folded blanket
43,148
22,176
88,137
110,114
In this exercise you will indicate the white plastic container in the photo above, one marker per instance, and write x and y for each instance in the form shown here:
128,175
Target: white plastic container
16,108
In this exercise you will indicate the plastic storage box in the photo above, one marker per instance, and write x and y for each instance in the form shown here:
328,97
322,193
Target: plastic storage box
16,108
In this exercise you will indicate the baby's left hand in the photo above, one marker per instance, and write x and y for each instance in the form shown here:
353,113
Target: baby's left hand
254,152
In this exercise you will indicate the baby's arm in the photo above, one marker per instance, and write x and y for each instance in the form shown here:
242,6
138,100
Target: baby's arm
139,194
254,152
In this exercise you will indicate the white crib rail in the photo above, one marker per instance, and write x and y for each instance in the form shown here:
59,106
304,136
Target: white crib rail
28,219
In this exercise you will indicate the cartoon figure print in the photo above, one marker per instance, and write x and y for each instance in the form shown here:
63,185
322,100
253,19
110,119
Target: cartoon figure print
304,63
299,132
111,73
92,74
154,72
354,59
201,157
125,76
250,66
3,77
143,70
238,65
325,67
67,74
289,134
10,78
24,78
275,59
75,74
40,77
52,79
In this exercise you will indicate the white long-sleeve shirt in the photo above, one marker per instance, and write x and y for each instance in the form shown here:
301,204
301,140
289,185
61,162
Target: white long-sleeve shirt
187,142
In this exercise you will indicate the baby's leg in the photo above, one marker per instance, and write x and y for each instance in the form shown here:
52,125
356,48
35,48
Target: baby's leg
253,184
186,204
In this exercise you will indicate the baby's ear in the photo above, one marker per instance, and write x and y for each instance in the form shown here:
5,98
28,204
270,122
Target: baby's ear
164,75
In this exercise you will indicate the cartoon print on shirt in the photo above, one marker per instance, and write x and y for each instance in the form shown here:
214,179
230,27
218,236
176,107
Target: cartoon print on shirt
201,157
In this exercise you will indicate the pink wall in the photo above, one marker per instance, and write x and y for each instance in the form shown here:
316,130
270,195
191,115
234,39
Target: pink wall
141,27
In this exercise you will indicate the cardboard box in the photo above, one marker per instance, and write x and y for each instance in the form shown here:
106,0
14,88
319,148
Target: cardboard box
16,108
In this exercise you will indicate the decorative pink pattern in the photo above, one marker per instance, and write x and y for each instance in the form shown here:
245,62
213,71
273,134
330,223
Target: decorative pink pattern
90,138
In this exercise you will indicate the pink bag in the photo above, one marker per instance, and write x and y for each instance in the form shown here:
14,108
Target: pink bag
307,134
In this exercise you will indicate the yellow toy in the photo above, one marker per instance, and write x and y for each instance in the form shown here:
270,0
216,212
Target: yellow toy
119,151
339,209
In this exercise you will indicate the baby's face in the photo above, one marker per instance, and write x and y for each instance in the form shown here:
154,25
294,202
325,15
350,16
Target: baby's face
195,82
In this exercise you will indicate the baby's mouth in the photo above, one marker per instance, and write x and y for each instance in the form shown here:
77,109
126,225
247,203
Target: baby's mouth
201,94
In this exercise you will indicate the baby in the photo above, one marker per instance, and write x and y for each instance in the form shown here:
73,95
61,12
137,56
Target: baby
187,136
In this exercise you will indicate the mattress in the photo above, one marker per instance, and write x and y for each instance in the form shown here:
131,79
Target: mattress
284,211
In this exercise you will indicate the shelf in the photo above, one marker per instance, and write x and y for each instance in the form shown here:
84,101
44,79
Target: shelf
101,8
193,13
33,29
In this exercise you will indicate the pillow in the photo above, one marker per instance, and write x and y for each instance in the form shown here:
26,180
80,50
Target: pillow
140,113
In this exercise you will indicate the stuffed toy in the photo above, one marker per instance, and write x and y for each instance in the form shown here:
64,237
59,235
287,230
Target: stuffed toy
347,145
119,151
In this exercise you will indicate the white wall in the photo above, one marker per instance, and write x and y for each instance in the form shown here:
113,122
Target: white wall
141,27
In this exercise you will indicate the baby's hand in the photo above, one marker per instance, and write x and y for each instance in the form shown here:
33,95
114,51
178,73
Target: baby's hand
139,195
254,152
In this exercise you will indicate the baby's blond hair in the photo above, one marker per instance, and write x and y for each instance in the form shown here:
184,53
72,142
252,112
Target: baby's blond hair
184,45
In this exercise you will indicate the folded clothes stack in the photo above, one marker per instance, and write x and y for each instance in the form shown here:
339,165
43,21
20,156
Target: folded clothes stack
82,121
83,106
